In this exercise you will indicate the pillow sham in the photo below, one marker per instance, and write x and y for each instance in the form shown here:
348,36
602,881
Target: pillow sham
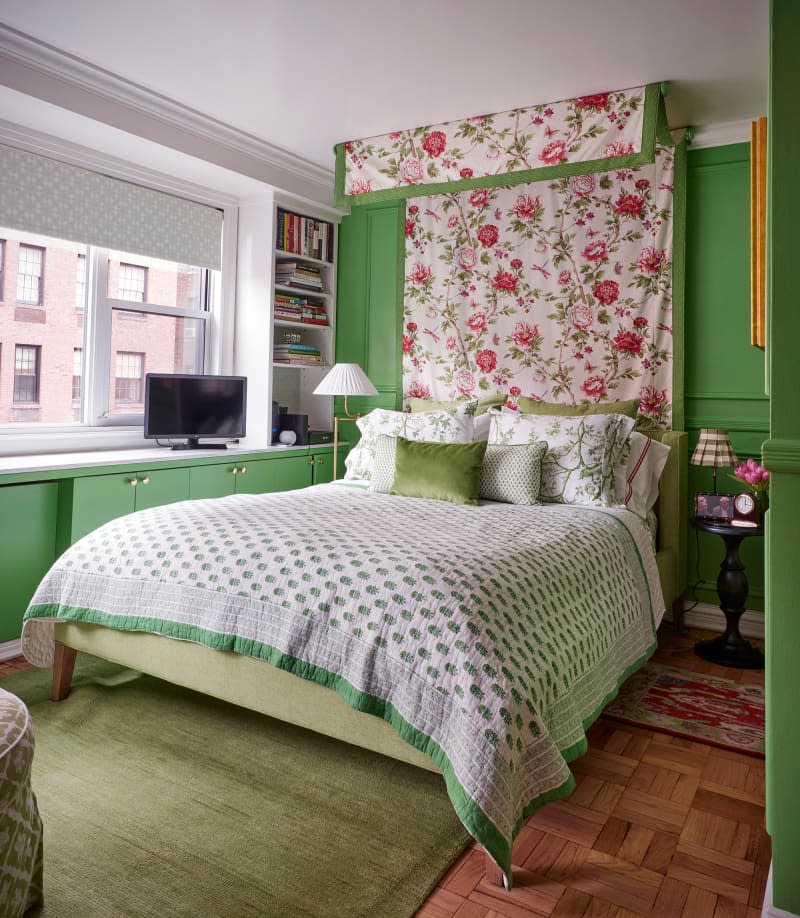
628,408
583,453
385,460
439,471
639,471
512,474
445,426
483,405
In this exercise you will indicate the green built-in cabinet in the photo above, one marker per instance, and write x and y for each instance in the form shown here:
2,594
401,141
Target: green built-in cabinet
43,513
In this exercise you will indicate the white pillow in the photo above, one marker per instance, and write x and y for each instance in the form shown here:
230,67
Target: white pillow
583,453
639,474
443,426
482,424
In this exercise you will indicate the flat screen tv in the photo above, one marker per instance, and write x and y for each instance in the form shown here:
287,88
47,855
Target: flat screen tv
178,405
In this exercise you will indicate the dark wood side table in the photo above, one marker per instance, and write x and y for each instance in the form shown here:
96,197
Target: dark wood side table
730,649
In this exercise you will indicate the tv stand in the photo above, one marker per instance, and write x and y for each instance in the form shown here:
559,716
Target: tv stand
194,443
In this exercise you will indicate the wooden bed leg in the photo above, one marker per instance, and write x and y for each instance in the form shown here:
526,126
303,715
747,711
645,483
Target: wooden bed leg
494,875
677,616
63,666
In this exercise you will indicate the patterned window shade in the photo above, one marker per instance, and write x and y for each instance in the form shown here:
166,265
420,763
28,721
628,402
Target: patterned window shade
42,195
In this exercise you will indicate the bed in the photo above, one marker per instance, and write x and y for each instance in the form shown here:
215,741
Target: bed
449,623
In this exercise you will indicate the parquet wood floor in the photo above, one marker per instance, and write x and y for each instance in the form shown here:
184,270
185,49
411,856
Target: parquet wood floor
656,826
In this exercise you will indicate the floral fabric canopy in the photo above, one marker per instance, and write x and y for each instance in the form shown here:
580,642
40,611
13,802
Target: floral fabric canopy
588,134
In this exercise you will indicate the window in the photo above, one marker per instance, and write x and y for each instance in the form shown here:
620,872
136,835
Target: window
80,283
129,376
132,283
26,374
77,373
29,275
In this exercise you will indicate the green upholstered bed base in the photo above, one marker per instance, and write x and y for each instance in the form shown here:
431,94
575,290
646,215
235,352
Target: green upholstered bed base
250,683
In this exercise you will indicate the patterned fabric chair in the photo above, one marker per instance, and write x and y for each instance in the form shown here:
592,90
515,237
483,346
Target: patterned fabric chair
20,823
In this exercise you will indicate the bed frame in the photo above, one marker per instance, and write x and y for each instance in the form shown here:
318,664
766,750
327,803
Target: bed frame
246,681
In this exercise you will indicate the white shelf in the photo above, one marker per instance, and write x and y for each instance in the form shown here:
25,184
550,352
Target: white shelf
300,366
287,323
301,291
281,255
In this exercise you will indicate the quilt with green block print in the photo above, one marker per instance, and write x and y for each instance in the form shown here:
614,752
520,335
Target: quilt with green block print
489,636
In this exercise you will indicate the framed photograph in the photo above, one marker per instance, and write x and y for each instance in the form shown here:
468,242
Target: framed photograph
714,507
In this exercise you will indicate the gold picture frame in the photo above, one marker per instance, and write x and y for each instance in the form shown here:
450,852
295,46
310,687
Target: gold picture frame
758,231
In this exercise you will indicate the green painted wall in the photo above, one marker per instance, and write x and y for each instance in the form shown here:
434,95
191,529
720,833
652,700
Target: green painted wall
782,457
724,384
724,373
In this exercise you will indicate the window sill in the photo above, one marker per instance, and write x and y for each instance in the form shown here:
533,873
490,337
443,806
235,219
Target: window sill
19,441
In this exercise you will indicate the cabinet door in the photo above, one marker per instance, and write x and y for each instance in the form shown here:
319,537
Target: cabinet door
323,467
160,486
267,475
213,480
27,548
97,499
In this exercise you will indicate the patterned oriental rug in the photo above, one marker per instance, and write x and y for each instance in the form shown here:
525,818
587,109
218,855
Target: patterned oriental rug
717,712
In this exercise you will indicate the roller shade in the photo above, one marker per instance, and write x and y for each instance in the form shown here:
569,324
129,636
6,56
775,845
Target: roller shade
42,195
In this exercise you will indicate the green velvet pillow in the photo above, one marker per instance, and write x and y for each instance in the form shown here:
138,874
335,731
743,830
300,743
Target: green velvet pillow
439,471
531,406
484,404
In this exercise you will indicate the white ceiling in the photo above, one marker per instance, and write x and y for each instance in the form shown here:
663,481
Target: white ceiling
306,74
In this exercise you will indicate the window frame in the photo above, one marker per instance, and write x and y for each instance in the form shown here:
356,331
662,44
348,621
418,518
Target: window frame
36,304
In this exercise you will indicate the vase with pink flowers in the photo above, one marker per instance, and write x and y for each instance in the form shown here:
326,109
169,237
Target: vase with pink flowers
756,477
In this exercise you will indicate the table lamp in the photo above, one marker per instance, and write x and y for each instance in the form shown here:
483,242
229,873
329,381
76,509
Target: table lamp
344,379
713,449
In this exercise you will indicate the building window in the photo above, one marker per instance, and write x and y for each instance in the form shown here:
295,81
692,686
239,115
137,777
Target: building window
29,275
80,283
77,373
26,374
132,283
128,383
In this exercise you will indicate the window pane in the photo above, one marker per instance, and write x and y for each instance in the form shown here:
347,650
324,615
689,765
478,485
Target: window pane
26,373
56,330
29,274
80,283
77,373
151,280
151,344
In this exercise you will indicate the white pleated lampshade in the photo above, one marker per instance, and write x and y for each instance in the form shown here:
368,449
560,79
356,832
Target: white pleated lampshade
346,379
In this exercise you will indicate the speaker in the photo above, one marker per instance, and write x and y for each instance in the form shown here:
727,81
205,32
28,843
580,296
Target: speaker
297,423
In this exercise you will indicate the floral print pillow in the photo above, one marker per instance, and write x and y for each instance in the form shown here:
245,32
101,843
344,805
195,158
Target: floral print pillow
443,426
582,457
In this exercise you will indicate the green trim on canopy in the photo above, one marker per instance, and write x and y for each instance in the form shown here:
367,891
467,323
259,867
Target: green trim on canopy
654,125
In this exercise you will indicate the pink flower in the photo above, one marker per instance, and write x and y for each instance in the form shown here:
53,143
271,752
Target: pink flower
594,386
467,257
412,171
434,143
450,343
642,183
629,342
525,335
652,400
360,186
486,360
452,221
409,227
481,197
651,260
413,208
526,207
418,390
640,322
582,185
516,262
618,149
554,152
515,391
630,204
477,322
466,172
607,291
420,275
465,381
503,280
488,235
597,102
596,251
581,316
408,343
563,278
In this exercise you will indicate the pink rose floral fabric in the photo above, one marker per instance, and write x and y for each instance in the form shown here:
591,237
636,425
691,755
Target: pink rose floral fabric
598,126
557,290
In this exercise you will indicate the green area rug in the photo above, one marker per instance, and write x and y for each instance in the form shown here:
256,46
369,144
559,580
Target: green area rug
158,801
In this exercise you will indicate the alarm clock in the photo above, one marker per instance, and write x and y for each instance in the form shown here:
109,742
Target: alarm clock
745,510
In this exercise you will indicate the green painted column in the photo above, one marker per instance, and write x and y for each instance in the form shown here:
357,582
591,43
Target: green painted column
782,458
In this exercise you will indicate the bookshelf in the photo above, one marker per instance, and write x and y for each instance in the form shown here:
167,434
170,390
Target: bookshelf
303,312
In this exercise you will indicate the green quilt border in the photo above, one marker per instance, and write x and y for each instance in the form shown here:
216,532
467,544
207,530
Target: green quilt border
654,126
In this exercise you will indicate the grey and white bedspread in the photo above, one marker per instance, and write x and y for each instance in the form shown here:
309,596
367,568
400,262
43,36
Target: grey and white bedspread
489,636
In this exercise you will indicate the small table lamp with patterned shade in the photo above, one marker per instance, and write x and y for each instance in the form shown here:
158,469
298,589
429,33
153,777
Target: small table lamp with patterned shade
713,449
344,379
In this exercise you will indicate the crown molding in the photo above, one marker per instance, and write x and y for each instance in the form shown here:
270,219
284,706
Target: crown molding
719,135
47,60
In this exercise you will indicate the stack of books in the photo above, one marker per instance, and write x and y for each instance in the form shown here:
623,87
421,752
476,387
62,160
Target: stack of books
299,309
305,236
292,274
304,355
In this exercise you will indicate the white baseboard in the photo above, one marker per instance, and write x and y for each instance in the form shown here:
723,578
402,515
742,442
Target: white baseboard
10,649
768,910
712,618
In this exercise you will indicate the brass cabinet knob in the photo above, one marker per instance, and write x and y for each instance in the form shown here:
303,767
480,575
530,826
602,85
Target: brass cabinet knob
133,482
234,471
243,470
146,479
